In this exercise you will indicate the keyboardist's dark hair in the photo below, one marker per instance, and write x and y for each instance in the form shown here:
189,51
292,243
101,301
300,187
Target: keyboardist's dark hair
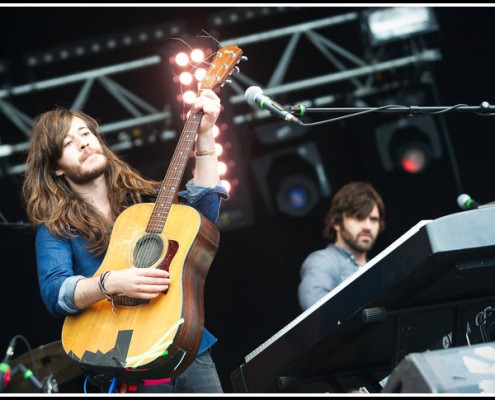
355,199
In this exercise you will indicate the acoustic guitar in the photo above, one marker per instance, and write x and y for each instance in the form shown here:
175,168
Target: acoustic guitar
133,339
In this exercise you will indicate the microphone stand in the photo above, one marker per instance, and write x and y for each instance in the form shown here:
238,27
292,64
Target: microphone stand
29,375
484,109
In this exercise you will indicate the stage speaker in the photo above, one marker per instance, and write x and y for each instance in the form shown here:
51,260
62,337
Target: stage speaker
469,369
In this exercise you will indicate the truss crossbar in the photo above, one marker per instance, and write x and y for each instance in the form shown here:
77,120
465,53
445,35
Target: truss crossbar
291,30
424,56
121,94
65,80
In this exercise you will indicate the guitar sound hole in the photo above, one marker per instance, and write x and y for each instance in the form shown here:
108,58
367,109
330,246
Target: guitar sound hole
148,250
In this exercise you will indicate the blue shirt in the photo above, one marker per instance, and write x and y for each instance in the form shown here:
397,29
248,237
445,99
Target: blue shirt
62,262
322,271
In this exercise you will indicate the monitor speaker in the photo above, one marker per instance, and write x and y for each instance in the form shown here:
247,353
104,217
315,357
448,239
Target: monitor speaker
469,369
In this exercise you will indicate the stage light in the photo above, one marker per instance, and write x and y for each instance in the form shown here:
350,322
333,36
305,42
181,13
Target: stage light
297,195
218,149
216,131
185,78
414,157
95,47
63,54
188,66
238,211
127,40
143,36
226,184
189,97
410,145
181,59
384,25
105,43
197,55
222,168
245,14
292,180
199,74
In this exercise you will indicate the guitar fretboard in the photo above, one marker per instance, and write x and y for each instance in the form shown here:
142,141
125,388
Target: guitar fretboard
175,172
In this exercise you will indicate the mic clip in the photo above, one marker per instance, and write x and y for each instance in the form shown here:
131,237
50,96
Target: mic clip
299,109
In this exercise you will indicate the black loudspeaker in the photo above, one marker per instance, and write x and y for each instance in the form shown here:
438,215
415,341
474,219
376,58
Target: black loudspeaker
469,369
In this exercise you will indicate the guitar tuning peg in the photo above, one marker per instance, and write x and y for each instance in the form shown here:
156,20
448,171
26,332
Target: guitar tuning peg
226,81
244,58
236,70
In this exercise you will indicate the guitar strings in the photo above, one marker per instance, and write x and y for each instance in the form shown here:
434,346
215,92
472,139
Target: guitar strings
166,195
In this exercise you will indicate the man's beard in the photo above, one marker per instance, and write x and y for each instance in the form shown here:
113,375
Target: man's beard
354,244
79,177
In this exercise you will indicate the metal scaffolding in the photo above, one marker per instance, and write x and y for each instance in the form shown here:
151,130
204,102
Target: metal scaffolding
344,64
139,111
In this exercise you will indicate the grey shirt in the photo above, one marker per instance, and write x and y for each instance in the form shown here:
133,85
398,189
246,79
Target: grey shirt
322,271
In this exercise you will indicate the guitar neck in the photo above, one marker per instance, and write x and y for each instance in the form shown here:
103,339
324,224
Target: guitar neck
175,172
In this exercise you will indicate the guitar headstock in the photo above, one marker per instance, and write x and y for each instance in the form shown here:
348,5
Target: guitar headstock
221,67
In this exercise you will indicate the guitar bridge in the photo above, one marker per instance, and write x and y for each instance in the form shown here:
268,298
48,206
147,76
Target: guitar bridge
123,300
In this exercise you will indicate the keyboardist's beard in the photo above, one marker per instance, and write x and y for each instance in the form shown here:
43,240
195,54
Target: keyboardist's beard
353,241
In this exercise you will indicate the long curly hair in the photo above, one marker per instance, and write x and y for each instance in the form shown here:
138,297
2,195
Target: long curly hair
50,200
356,199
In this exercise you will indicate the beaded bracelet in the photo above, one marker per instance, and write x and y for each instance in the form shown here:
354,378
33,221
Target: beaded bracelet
101,285
205,153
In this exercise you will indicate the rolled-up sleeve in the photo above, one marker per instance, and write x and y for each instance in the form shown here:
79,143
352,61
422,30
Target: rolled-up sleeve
206,200
55,267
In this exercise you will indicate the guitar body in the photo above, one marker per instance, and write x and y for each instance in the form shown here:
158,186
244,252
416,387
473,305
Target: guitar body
136,340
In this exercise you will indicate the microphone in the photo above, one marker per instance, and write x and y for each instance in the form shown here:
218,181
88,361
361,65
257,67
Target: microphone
5,365
254,96
466,202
